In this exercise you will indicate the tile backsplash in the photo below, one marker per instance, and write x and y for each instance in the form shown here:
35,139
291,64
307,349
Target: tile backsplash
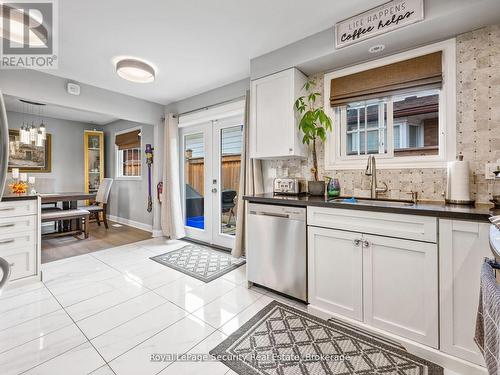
478,131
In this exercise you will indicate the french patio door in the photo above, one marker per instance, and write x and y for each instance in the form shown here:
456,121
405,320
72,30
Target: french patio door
210,155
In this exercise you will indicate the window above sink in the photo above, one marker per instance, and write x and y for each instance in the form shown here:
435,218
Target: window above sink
405,126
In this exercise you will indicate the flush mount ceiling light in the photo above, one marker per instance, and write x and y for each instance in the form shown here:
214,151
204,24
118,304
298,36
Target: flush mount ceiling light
376,48
14,23
135,70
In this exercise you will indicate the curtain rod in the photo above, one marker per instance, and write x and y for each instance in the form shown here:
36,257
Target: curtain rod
210,106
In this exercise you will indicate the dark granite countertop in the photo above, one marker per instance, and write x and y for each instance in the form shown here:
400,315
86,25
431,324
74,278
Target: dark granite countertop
18,197
424,208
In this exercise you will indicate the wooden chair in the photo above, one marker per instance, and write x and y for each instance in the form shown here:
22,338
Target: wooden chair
228,204
47,185
101,202
60,215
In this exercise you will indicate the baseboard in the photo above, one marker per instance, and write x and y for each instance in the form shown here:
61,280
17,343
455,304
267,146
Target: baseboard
157,233
131,223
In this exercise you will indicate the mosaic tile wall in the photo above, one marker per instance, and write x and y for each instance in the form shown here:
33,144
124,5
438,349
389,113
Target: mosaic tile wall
478,131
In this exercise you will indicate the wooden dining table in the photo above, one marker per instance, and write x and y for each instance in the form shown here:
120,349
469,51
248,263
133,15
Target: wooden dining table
69,198
69,201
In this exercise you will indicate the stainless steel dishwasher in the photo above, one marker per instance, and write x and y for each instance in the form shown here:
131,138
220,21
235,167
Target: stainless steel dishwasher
277,249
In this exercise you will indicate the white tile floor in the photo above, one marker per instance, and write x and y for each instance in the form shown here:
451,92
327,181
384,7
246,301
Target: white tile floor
107,312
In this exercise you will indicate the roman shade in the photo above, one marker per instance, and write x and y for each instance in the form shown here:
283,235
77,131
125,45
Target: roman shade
131,139
423,72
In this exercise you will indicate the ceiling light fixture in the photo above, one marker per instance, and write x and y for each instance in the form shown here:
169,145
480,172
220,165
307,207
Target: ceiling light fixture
31,134
376,48
135,70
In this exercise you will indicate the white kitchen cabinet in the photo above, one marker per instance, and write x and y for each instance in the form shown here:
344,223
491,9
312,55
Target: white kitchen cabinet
462,248
20,239
273,123
385,282
335,271
400,287
411,227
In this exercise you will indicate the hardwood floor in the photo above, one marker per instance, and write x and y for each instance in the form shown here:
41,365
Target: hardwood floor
99,239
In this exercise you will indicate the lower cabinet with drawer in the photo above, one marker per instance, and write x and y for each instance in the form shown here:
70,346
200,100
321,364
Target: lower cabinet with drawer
20,238
22,261
387,283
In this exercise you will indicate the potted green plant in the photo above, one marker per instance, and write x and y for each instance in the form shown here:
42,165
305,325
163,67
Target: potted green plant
314,123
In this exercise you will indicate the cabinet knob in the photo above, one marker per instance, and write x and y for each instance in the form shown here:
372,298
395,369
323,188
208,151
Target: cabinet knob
357,241
366,243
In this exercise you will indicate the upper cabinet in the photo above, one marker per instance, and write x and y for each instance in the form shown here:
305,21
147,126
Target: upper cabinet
273,124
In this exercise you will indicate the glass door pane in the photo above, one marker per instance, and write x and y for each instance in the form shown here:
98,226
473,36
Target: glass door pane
94,173
194,178
229,166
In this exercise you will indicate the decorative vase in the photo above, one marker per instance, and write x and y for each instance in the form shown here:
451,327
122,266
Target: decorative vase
316,187
333,188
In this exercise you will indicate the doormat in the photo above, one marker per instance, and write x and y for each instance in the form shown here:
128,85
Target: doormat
283,340
201,262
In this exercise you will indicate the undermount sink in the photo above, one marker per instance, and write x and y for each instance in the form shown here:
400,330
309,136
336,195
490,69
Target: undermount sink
373,202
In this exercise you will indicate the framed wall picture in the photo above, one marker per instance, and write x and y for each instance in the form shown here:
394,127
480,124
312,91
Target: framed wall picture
29,158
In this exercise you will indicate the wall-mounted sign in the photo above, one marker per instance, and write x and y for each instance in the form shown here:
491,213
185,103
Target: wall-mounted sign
384,18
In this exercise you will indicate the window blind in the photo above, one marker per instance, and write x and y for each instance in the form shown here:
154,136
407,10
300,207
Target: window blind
423,72
128,140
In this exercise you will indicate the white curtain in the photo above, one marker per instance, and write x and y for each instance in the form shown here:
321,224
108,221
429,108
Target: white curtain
172,224
251,182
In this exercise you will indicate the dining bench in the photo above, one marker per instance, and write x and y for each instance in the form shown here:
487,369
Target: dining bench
57,215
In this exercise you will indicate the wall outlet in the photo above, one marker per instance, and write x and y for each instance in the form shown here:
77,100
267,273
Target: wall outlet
489,168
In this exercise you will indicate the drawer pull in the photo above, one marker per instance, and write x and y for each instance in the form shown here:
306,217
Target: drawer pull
5,242
7,225
7,209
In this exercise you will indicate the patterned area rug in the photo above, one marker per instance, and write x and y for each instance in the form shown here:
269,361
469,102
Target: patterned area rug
281,340
202,262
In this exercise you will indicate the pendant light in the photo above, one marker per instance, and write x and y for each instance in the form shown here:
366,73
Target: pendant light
39,139
43,131
32,134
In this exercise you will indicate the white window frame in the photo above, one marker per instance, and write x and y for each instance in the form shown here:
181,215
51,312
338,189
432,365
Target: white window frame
118,158
334,158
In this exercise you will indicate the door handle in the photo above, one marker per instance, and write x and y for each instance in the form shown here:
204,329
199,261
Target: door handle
261,213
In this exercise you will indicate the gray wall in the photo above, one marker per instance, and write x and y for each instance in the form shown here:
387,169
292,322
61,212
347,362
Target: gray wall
46,88
222,94
317,53
67,150
128,198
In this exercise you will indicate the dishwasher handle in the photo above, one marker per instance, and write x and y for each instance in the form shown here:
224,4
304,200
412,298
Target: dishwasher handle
272,214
